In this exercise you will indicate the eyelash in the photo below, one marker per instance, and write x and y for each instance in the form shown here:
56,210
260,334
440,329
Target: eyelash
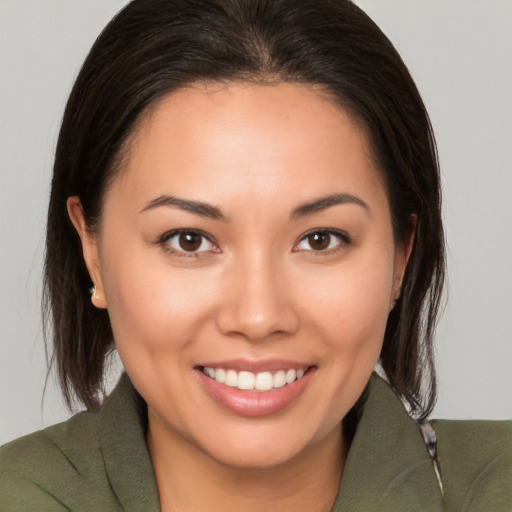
164,240
343,239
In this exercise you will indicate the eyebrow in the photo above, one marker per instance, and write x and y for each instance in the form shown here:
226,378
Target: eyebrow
323,203
197,207
212,212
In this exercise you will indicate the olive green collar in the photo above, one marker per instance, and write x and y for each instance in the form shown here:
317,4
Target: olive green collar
123,444
388,468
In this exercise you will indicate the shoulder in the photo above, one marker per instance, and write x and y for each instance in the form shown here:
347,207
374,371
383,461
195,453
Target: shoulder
53,469
475,462
92,462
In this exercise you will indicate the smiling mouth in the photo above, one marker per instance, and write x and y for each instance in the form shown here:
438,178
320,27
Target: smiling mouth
249,381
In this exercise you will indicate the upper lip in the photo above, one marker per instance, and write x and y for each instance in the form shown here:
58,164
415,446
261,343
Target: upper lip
256,366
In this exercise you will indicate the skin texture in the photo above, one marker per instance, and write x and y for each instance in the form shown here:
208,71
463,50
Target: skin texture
255,291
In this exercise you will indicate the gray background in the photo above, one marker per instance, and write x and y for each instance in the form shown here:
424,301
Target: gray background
459,52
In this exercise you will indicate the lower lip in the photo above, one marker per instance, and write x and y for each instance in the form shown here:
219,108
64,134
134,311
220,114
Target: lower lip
255,403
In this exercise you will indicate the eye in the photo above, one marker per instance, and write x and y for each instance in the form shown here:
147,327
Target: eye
187,241
323,241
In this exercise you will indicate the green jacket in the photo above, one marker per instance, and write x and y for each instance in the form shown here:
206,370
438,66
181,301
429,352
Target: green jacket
99,462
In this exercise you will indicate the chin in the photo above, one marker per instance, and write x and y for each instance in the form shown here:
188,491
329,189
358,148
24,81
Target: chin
264,447
264,455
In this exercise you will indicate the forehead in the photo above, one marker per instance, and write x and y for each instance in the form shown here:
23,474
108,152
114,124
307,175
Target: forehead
245,140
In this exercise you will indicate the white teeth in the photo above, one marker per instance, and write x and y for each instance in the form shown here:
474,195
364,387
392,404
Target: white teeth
220,375
231,379
279,379
291,375
264,381
248,381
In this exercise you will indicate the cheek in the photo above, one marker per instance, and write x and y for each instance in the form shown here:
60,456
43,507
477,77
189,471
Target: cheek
153,310
353,301
351,308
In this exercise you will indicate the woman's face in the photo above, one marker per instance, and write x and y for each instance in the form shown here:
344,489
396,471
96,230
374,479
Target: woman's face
247,241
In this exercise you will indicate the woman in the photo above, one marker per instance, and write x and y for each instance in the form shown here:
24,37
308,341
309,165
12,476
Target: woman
249,190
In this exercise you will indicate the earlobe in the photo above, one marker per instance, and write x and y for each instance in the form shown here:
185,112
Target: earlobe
90,250
96,298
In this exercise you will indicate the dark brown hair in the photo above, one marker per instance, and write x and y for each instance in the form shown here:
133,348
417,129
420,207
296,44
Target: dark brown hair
154,47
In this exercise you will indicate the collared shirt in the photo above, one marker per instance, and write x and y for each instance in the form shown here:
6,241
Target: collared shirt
100,462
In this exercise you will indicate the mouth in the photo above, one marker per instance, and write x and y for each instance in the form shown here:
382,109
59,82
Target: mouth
250,381
256,393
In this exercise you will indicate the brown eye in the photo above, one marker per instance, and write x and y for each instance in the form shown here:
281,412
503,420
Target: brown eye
190,241
323,241
319,241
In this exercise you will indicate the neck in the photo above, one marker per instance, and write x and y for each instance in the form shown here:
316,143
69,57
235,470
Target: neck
190,480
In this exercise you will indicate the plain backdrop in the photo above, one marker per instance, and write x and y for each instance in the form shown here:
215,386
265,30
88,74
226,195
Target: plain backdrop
460,54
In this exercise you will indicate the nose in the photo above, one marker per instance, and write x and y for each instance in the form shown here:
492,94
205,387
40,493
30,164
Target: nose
258,303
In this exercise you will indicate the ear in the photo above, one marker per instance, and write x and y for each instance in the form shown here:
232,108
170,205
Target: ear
402,254
89,248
